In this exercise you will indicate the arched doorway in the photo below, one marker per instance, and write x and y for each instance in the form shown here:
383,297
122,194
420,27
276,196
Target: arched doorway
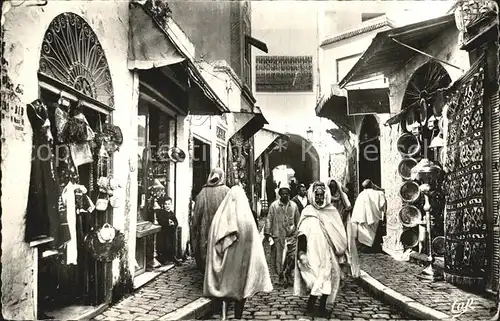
75,81
369,151
298,154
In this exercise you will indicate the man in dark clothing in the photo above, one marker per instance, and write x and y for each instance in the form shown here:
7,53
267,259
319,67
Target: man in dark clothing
301,198
166,239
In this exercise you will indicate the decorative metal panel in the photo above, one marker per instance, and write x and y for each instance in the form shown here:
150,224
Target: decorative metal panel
284,74
72,55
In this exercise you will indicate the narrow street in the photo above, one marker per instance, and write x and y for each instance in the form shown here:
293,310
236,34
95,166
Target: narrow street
353,303
142,136
184,284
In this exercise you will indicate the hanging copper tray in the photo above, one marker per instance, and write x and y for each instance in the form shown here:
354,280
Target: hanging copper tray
408,145
409,192
405,166
409,216
409,238
438,245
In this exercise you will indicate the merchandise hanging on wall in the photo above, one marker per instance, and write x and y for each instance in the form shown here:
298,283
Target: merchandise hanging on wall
42,216
466,231
105,244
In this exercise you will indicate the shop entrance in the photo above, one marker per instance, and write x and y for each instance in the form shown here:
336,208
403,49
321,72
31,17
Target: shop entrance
201,165
74,80
369,151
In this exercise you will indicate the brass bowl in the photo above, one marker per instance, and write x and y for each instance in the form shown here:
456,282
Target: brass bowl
438,245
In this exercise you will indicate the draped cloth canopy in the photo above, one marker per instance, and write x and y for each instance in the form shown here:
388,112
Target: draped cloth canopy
144,32
236,264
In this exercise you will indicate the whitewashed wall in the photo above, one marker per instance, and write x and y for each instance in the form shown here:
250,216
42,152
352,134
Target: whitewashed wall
24,31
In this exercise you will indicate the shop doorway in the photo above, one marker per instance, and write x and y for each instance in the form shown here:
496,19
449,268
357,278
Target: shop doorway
74,79
153,172
64,287
201,165
369,166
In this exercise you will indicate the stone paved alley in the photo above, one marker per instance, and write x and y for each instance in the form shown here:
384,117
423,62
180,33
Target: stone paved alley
183,284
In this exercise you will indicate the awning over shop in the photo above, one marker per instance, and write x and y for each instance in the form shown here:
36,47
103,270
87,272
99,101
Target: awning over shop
263,139
390,49
248,123
334,107
154,43
149,46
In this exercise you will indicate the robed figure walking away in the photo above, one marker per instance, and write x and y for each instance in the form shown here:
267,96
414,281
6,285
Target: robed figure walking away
321,247
236,266
206,204
368,216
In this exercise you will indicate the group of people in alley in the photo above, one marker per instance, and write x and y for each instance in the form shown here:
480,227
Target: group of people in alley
314,239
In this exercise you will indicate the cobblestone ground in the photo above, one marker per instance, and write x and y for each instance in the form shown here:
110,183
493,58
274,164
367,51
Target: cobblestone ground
353,303
169,292
404,277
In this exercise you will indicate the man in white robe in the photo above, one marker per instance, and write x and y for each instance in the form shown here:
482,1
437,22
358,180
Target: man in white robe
236,266
369,210
321,247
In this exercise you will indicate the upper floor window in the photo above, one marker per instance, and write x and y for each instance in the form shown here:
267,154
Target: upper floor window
284,74
367,16
345,64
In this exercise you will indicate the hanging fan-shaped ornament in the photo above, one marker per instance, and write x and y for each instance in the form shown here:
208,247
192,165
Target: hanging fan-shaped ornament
422,93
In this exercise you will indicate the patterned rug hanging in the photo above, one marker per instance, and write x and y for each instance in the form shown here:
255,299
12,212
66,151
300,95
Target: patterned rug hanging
466,232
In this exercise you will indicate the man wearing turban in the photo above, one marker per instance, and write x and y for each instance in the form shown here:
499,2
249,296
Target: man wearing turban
206,204
321,248
236,266
280,231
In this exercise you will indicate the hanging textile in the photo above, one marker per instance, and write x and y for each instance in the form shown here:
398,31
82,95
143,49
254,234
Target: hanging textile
466,231
42,216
